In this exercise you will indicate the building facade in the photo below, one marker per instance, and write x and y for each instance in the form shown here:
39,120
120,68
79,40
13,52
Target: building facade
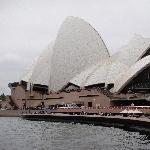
77,68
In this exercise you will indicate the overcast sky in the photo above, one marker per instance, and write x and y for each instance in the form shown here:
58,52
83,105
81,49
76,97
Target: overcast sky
28,26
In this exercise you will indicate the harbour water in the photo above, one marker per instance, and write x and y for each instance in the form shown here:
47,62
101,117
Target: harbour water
19,134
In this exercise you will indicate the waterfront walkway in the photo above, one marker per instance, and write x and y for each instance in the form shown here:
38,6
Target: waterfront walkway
138,124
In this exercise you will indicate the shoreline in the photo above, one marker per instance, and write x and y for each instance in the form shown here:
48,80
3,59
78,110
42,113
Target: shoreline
127,123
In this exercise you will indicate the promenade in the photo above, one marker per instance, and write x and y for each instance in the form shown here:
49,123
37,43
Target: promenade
129,123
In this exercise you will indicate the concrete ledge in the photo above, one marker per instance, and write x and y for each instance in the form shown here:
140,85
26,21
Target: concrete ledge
9,113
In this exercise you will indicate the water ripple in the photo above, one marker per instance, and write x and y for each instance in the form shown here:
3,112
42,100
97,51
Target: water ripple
19,134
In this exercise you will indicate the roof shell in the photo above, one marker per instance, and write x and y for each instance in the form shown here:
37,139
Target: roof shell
93,75
107,73
29,70
80,56
115,66
132,72
42,70
115,69
81,78
77,47
39,72
133,51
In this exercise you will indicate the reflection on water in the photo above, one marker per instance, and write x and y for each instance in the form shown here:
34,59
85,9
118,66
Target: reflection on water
19,134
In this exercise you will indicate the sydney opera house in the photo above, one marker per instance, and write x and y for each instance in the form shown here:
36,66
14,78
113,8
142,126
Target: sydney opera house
77,68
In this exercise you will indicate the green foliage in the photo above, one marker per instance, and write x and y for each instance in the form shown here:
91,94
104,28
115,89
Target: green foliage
3,97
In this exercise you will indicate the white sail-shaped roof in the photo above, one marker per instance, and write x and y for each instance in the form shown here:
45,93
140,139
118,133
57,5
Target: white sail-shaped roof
77,47
39,72
115,68
92,75
79,56
133,51
81,79
42,70
28,72
107,73
132,72
116,65
99,75
96,74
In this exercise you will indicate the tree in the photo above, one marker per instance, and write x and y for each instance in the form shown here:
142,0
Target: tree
3,97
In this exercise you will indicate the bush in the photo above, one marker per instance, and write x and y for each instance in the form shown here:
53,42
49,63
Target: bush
3,97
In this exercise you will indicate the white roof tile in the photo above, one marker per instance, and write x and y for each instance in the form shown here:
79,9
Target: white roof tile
39,72
80,56
77,47
133,51
132,72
